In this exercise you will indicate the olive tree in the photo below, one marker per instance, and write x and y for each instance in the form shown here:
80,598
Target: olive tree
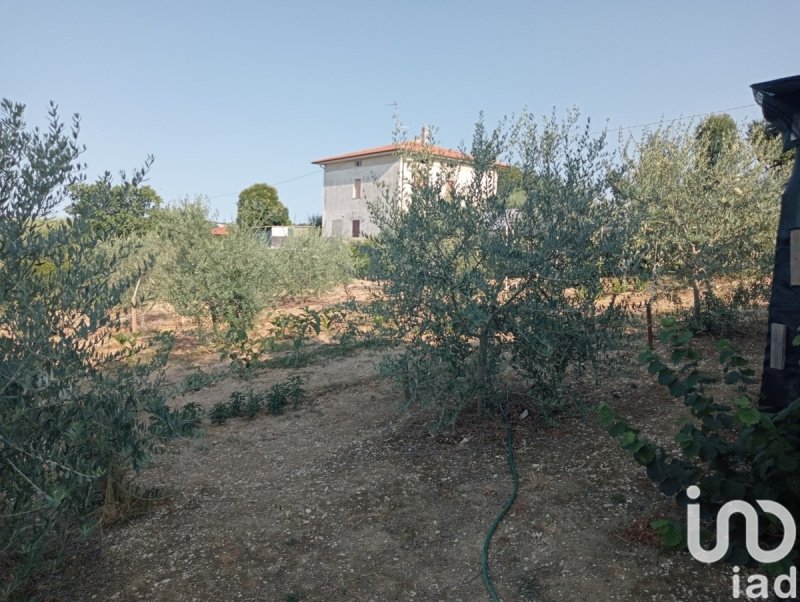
485,294
706,207
308,264
220,281
118,210
70,412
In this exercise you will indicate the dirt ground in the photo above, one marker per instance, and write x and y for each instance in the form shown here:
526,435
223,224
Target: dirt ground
351,498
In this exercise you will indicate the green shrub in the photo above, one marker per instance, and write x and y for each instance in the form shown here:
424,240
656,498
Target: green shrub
281,395
168,423
253,405
730,448
197,380
365,257
724,314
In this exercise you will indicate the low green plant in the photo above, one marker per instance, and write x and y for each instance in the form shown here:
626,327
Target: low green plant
619,286
168,423
198,380
220,412
272,401
731,448
127,339
253,405
236,403
294,340
283,394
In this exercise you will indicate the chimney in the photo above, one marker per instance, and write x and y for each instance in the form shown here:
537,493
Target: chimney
425,137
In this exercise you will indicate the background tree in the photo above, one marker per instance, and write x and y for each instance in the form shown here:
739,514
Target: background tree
706,208
119,210
510,185
767,141
715,135
117,214
223,282
259,206
309,264
315,220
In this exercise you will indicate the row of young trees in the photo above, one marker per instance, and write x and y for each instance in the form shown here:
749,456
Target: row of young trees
76,418
224,282
705,201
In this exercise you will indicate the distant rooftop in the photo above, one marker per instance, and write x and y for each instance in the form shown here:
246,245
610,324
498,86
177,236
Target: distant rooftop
392,149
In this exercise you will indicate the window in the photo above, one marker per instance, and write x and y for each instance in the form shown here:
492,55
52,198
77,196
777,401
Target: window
356,228
357,188
358,163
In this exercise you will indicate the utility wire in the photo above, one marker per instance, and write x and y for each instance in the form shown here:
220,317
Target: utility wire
309,174
688,117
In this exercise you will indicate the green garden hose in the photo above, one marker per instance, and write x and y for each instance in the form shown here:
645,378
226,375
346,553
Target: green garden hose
512,466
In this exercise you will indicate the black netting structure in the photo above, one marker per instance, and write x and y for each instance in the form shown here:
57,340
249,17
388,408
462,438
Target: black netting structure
780,385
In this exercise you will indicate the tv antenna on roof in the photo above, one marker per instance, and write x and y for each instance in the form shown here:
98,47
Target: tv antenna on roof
398,125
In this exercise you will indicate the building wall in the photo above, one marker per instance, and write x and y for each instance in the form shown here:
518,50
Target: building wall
378,175
340,208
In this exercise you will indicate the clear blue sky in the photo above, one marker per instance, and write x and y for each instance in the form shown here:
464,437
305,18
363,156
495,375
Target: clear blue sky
226,94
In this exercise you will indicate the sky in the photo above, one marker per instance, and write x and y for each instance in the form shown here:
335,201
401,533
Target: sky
227,94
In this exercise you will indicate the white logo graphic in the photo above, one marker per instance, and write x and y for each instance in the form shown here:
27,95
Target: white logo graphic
751,530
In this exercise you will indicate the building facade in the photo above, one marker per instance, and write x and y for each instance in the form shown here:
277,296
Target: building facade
353,180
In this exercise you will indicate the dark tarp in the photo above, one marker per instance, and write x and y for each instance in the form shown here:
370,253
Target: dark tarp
780,102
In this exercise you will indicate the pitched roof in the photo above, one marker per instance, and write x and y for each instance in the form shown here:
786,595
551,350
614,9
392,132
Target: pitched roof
389,149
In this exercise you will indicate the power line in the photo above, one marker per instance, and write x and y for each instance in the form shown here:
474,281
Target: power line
642,125
311,173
